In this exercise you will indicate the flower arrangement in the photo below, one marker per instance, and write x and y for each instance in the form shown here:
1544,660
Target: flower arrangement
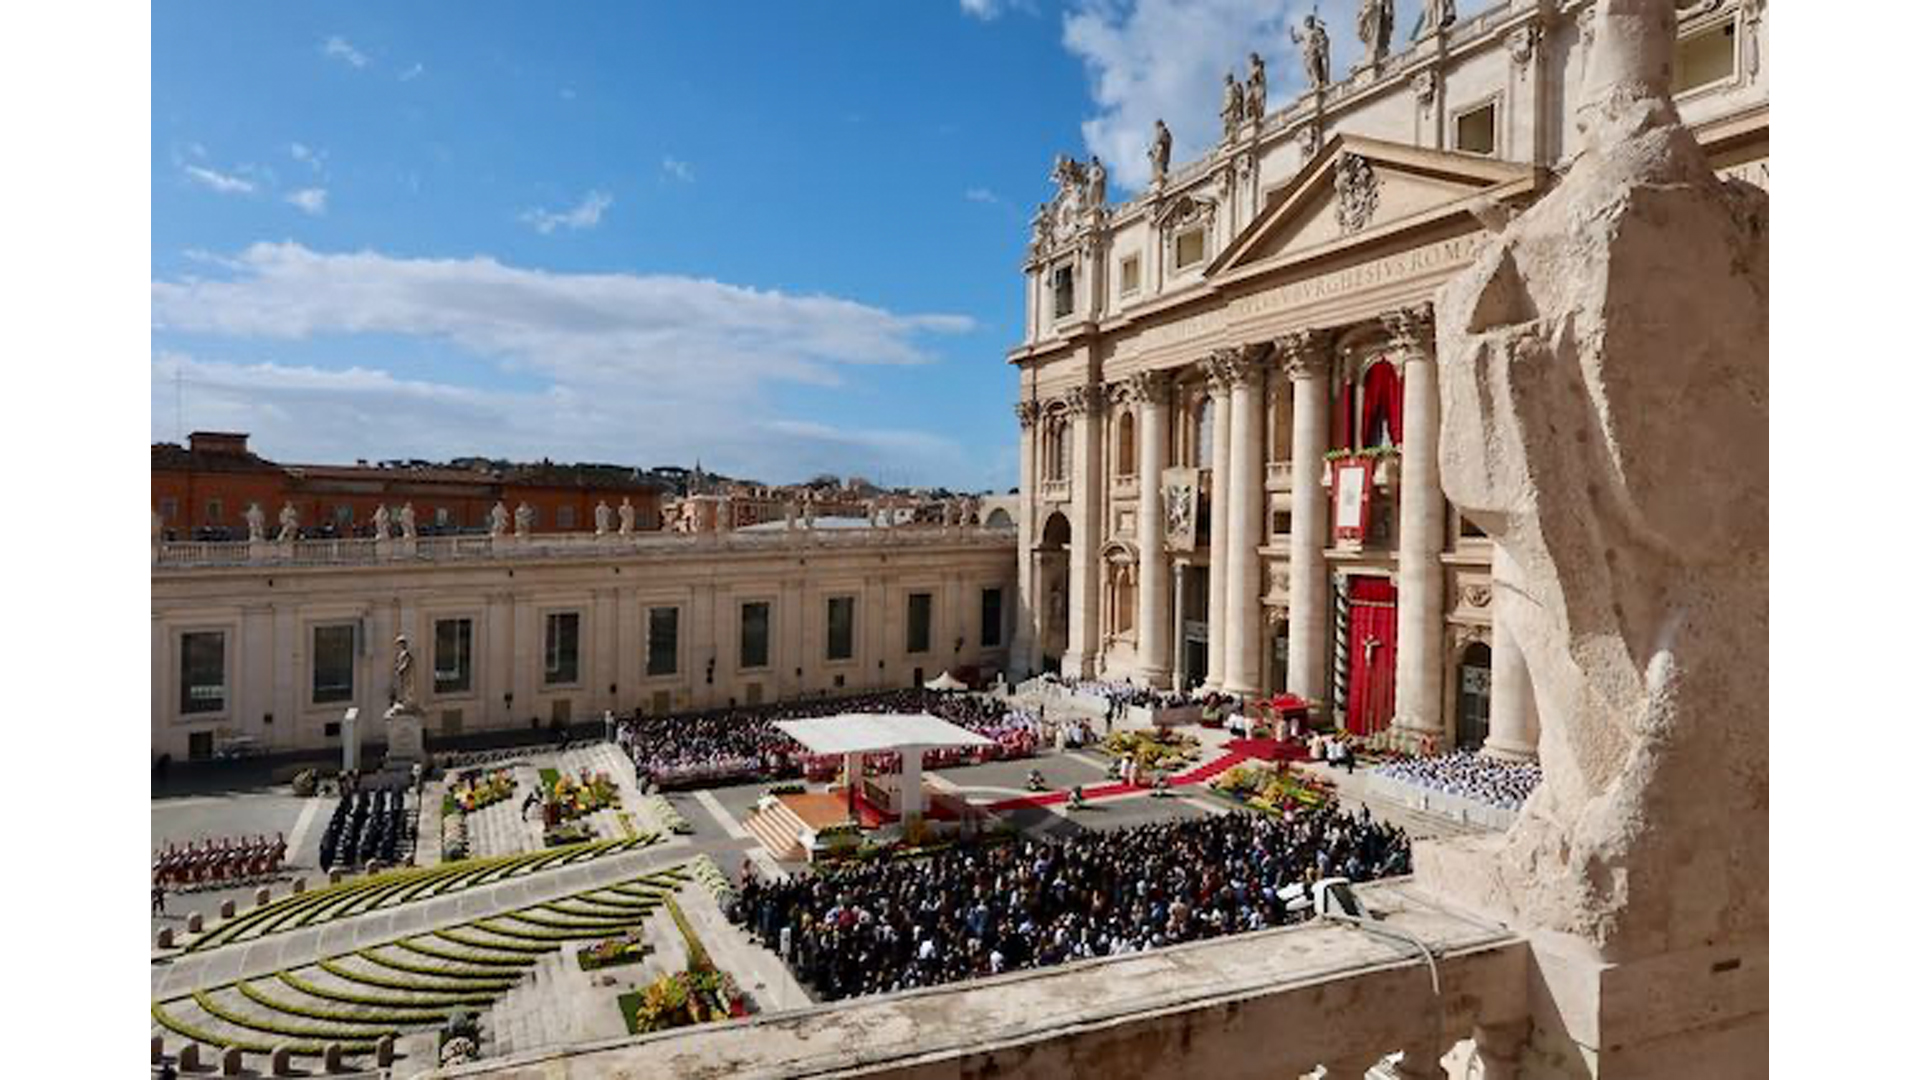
476,792
1344,454
627,948
572,832
578,798
680,999
1154,749
1273,790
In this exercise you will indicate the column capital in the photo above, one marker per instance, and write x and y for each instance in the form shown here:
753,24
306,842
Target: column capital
1082,400
1027,412
1305,354
1142,386
1411,329
1236,365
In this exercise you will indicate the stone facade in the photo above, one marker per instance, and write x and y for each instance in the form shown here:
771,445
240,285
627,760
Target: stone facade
511,632
1277,295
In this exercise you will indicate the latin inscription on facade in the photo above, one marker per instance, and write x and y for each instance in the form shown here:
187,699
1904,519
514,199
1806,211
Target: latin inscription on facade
1441,255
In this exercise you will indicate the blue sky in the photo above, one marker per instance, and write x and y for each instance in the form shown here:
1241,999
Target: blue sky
782,238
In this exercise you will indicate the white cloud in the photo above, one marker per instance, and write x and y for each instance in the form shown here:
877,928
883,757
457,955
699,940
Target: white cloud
308,156
584,216
616,367
1164,59
677,169
413,72
981,195
338,48
984,10
311,200
224,183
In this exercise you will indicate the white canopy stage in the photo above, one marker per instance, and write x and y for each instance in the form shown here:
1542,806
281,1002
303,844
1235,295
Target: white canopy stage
854,734
946,681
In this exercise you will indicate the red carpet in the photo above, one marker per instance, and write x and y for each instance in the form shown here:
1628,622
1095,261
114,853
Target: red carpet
1269,749
1194,776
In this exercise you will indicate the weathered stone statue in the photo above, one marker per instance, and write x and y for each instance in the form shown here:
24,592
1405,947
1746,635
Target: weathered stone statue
522,520
1436,15
1160,153
1610,434
1376,30
626,517
1256,92
409,528
1096,182
1231,102
497,519
289,524
382,522
1314,53
602,519
256,519
405,695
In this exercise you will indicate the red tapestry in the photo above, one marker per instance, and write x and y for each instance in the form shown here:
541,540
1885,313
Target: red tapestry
1379,401
1371,629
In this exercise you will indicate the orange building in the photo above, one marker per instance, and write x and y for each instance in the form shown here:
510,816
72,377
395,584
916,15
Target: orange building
204,488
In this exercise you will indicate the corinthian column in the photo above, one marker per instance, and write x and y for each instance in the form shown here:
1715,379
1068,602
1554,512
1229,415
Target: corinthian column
1219,546
1149,391
1083,566
1022,660
1307,358
1513,721
1244,368
1418,668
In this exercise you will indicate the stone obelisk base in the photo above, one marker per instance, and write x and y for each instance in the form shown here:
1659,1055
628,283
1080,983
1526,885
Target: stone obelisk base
406,740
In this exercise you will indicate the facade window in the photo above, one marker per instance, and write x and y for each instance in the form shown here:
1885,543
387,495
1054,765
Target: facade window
663,641
333,663
991,618
452,656
563,648
1473,130
1703,58
343,514
563,517
839,627
216,511
755,619
1203,433
169,509
1127,439
1189,248
919,622
1062,292
442,517
1129,275
203,672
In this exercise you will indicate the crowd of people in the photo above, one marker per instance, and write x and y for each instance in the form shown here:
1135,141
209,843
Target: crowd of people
983,909
1502,784
1122,695
727,745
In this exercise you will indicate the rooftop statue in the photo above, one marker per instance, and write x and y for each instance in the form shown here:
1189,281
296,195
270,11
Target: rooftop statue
1436,15
1313,51
522,520
602,519
289,524
1610,435
1376,29
626,517
256,523
382,522
497,520
409,529
1160,152
1231,102
1255,107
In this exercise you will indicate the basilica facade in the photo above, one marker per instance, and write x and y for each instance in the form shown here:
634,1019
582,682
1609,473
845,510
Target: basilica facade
1228,406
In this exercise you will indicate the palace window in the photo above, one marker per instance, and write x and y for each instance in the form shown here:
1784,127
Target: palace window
663,641
215,511
442,517
343,514
169,509
919,622
1124,453
563,518
1704,57
1129,275
755,618
839,627
1062,292
1057,449
1189,248
563,648
203,672
333,663
991,618
1473,130
452,656
1203,432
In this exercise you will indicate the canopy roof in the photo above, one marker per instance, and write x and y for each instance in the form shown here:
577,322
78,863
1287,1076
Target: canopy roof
946,681
856,733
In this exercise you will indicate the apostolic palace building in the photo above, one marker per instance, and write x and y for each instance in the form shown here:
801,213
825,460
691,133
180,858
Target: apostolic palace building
1228,409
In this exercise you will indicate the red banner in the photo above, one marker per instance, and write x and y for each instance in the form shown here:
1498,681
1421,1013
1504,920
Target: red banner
1352,497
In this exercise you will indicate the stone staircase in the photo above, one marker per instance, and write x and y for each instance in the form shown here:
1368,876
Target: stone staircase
778,829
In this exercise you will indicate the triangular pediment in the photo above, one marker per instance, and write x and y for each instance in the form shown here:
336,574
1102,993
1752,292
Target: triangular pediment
1356,189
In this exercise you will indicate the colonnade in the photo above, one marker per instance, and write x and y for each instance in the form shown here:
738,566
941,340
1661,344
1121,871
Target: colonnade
1237,385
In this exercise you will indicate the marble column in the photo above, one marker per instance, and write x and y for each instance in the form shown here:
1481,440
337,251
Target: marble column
1149,392
1418,666
1180,676
1244,369
1513,722
1083,572
1024,657
1307,358
1220,542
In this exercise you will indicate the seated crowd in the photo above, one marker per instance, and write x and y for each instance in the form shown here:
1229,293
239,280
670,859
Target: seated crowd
685,749
1123,694
1504,784
983,909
